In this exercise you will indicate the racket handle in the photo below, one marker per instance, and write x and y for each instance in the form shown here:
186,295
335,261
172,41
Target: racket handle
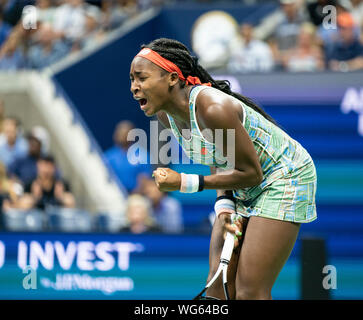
227,247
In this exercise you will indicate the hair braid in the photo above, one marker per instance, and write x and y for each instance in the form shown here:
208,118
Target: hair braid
179,54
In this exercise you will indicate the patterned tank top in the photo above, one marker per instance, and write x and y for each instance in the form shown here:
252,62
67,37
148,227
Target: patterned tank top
279,154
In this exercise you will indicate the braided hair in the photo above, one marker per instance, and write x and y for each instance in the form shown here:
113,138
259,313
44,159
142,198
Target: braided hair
179,54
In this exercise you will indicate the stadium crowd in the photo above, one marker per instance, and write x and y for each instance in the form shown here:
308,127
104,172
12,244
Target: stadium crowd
30,181
62,27
304,35
34,196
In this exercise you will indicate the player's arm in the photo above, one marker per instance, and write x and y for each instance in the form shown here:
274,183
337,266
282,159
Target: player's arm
213,170
247,171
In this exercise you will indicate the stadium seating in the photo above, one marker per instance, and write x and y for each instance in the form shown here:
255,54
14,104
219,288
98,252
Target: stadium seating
18,220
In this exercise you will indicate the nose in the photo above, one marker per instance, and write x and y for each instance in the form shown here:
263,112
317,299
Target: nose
134,87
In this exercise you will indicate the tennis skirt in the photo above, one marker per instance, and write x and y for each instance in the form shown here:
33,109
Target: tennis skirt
291,198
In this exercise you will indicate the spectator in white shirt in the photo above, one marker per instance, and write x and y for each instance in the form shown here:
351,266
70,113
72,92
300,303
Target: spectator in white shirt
249,54
45,11
307,55
70,19
357,12
12,143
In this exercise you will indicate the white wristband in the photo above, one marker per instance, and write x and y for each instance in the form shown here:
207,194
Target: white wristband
224,206
189,183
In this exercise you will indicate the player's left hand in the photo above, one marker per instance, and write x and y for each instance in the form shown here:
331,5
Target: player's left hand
167,179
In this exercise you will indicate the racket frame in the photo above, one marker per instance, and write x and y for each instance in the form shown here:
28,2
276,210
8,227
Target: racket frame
223,264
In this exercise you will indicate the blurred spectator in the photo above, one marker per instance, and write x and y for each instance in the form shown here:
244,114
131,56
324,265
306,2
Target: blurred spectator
9,191
167,210
69,20
307,55
346,52
114,14
129,174
138,214
11,54
47,190
24,169
357,12
2,115
147,4
286,32
43,136
327,32
12,143
131,7
249,54
45,11
93,31
46,50
63,27
4,28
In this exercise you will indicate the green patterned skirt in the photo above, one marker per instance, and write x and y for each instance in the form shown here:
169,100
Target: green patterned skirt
290,198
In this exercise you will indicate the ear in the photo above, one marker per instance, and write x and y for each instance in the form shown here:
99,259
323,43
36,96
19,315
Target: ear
173,79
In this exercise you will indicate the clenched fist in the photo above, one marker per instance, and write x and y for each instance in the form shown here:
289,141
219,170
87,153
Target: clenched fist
167,179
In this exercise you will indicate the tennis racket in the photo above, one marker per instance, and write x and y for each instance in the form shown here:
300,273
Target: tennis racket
223,266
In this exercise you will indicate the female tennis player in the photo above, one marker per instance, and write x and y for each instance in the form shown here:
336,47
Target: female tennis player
270,180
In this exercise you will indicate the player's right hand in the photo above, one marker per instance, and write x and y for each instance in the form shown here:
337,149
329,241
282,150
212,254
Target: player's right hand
235,227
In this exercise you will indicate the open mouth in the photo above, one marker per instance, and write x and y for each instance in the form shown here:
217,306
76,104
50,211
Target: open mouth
142,102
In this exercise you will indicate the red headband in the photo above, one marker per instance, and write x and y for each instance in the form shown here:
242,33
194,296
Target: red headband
168,66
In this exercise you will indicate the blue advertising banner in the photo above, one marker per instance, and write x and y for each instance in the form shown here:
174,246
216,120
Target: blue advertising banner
132,267
101,266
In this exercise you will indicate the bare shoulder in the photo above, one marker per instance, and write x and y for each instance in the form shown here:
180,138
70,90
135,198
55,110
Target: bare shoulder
163,118
215,109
